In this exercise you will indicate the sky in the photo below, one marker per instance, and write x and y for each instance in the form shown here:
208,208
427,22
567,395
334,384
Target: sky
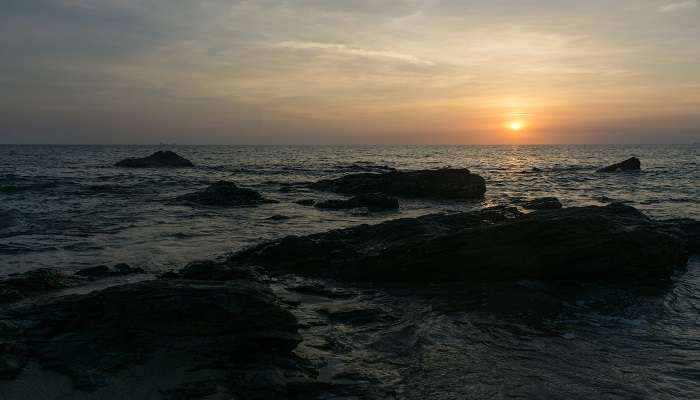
349,71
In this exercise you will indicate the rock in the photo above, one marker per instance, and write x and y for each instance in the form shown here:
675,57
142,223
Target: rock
278,217
316,289
158,159
226,328
543,203
615,243
631,164
208,270
226,194
103,271
15,287
441,183
306,202
373,202
366,167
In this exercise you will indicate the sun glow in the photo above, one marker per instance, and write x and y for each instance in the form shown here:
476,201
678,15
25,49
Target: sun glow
516,125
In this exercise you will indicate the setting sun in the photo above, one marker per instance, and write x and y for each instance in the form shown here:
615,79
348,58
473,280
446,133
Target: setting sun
516,125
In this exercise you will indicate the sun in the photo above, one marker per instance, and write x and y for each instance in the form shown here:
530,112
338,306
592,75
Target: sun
516,125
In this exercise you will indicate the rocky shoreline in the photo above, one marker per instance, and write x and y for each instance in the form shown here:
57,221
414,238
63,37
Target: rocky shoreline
259,324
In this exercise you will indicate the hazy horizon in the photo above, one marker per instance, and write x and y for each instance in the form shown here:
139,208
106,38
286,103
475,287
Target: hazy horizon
351,73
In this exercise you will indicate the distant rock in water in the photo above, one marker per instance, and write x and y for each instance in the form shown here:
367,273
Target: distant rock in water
373,202
159,159
616,243
631,164
226,194
278,217
543,203
439,183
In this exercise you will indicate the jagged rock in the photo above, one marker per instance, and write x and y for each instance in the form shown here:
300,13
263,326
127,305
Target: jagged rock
227,194
158,159
615,243
373,202
440,183
543,203
631,164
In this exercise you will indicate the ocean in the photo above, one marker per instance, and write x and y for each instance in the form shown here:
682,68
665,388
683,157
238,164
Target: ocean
68,207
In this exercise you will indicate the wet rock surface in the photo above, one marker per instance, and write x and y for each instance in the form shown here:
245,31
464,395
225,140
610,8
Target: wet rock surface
16,287
631,164
615,243
542,203
159,159
441,183
102,271
372,202
225,194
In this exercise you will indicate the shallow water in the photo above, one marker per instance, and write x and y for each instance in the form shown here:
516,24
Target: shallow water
68,207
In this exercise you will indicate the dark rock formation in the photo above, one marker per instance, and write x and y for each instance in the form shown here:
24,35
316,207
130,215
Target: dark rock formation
18,286
373,202
631,164
226,194
178,327
103,271
278,217
685,229
615,243
441,183
542,203
158,159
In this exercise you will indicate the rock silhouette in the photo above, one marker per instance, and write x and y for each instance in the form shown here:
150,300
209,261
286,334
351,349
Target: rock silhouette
159,159
439,183
616,243
226,194
631,164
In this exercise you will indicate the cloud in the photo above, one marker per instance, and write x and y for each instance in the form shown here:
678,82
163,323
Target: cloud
341,49
679,5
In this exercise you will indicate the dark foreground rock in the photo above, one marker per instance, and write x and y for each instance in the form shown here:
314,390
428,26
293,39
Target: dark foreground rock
16,287
226,194
230,336
373,202
631,164
441,183
159,159
615,243
542,203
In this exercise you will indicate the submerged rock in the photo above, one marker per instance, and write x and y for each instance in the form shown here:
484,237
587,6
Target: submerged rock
278,217
226,194
440,183
615,243
158,159
543,203
631,164
373,202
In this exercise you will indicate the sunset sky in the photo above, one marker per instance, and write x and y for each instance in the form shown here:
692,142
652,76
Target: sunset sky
350,71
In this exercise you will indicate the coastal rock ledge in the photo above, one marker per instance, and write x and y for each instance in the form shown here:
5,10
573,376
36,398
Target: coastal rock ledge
439,183
226,194
615,243
159,159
